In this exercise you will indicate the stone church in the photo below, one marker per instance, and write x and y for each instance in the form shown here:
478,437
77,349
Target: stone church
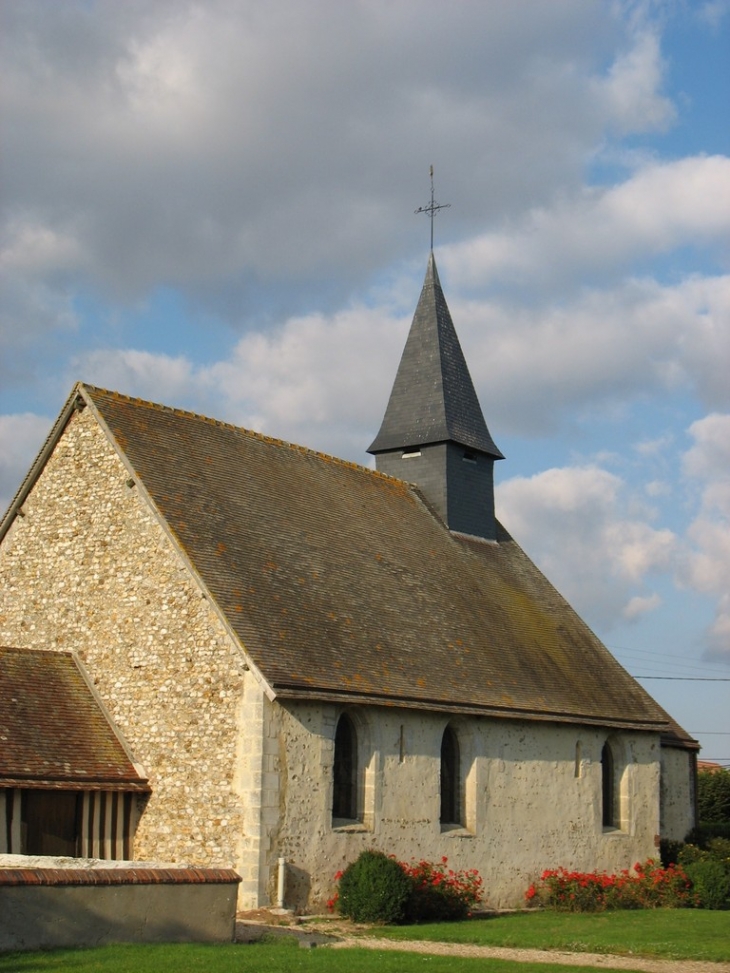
282,655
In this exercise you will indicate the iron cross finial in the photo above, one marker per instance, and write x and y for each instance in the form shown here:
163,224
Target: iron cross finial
433,207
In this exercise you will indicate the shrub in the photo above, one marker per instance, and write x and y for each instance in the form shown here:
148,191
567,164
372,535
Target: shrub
717,849
374,888
439,894
720,849
649,886
709,869
377,888
704,833
689,854
710,883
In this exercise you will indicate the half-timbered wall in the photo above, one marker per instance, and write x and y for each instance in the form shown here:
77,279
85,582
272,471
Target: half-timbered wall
76,824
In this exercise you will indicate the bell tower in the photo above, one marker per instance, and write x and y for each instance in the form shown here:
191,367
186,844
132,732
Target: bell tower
433,433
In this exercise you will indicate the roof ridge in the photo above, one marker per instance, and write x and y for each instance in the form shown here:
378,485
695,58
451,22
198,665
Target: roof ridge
253,433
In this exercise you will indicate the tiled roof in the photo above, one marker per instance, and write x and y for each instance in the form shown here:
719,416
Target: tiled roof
341,584
53,731
433,399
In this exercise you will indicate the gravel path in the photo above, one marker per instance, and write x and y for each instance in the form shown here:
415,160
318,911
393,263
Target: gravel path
603,961
337,934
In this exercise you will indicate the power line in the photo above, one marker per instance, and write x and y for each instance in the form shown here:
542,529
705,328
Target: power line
688,678
646,659
664,655
657,661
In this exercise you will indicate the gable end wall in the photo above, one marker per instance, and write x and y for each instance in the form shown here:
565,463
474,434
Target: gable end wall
88,568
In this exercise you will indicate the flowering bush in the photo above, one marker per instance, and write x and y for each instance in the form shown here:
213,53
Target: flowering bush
646,886
433,892
440,893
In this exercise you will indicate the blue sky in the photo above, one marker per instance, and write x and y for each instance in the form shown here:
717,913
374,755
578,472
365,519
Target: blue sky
212,205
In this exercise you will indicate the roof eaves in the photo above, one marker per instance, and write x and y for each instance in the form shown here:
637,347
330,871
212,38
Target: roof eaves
674,741
512,713
77,784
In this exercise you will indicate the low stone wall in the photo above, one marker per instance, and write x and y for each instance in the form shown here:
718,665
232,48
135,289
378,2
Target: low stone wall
46,908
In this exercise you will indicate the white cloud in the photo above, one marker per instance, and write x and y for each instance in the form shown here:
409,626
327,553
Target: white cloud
709,458
29,310
638,606
658,488
638,549
184,142
261,162
37,300
707,568
661,206
632,88
604,348
320,381
156,377
315,369
323,379
713,11
654,447
577,525
21,436
33,249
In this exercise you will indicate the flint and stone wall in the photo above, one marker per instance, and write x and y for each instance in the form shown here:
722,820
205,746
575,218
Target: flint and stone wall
88,568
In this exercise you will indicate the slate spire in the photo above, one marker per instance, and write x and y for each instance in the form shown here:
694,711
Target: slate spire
434,420
433,398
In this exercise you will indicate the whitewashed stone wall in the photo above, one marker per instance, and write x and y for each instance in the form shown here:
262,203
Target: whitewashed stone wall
532,799
88,568
677,793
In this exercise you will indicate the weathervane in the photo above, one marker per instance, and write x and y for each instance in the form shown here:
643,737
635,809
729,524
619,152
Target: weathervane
433,207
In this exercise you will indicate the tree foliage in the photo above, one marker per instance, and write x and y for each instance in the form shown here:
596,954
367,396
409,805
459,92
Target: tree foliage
713,796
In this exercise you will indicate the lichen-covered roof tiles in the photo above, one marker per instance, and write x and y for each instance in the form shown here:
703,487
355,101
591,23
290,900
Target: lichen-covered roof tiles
53,731
341,584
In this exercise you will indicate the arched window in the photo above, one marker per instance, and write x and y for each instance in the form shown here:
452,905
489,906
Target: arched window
450,783
608,787
344,799
577,766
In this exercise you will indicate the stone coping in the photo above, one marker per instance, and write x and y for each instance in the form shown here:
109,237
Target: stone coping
118,876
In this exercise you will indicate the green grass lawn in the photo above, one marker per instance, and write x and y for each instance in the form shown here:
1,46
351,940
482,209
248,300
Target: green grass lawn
669,933
676,934
280,957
